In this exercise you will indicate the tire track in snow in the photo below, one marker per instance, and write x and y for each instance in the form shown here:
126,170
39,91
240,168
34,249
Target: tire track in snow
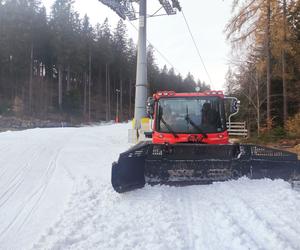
64,232
13,185
195,224
228,226
40,216
188,219
264,216
209,219
197,218
140,220
41,188
239,237
275,212
29,205
260,230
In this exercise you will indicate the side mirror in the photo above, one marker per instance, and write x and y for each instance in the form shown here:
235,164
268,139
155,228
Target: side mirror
150,107
233,105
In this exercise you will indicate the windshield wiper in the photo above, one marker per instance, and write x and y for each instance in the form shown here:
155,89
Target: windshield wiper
169,127
188,119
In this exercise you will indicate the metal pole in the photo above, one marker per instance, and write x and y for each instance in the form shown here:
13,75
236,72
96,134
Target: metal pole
141,72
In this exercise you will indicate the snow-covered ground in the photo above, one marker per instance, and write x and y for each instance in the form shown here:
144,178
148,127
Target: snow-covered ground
55,193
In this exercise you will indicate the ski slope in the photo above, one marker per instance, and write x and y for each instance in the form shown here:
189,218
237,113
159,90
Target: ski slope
55,193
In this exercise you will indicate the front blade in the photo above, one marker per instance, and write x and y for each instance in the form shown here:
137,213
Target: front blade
128,172
272,163
189,164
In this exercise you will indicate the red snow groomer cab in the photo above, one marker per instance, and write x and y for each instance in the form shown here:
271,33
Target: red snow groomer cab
190,146
189,118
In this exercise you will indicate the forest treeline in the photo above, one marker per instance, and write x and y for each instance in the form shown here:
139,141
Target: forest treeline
60,64
264,68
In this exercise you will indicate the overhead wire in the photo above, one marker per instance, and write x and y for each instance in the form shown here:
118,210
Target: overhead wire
196,46
155,48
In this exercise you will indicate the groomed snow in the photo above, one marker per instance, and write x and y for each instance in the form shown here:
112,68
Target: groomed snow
55,193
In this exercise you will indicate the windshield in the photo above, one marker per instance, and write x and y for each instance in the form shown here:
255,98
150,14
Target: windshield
191,115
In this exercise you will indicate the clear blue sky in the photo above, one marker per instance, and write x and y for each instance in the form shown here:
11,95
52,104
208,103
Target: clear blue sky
170,35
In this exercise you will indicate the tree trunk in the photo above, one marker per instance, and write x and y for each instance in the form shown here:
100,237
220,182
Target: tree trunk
12,81
30,79
90,82
60,76
113,94
84,95
121,98
41,91
284,83
99,105
268,55
257,104
109,95
249,110
106,93
68,79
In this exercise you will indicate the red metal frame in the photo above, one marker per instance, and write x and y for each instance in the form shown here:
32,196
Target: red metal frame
212,138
